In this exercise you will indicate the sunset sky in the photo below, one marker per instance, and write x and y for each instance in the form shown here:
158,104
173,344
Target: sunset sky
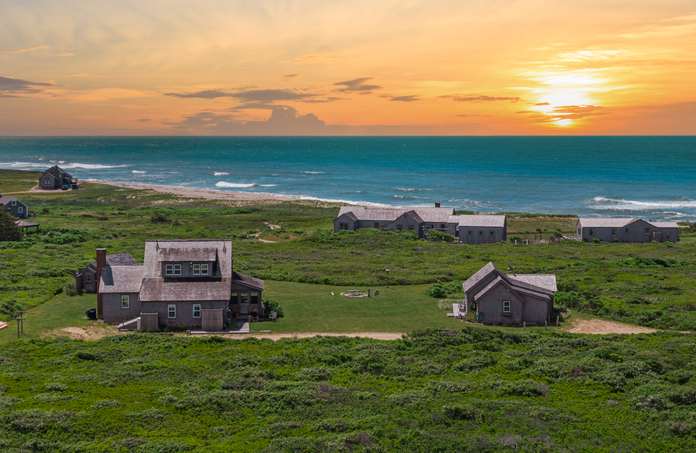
407,67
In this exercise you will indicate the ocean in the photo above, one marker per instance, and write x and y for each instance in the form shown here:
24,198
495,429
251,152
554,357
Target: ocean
649,177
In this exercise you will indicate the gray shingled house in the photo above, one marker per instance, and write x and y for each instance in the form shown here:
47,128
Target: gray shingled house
502,298
181,283
55,178
86,277
16,207
626,230
416,220
478,229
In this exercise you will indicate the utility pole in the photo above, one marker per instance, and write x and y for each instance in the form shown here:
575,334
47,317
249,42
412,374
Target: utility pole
20,321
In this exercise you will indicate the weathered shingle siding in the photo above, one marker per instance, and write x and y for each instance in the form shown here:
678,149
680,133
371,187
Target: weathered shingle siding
16,207
633,230
184,312
114,314
481,235
492,306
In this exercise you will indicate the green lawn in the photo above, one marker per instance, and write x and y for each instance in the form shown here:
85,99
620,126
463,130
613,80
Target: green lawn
312,308
61,311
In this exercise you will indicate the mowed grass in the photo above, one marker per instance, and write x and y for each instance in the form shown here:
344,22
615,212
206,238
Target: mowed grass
59,312
312,308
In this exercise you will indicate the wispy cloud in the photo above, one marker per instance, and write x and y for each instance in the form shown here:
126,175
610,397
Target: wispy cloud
264,95
407,98
28,49
357,86
11,87
315,58
478,98
65,54
292,76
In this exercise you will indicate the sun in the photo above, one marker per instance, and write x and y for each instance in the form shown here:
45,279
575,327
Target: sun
563,123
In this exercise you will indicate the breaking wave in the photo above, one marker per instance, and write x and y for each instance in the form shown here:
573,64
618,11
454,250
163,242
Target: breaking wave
139,172
635,205
220,173
234,185
408,189
31,165
313,172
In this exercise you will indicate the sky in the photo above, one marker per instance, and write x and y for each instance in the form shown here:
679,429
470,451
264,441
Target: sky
355,67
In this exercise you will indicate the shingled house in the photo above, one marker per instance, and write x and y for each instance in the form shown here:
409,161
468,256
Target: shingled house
626,230
86,277
471,229
55,178
16,207
502,298
180,284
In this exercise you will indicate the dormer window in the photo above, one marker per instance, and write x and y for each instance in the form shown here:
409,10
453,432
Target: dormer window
200,269
172,269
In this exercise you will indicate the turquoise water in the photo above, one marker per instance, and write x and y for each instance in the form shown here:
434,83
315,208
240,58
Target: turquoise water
649,177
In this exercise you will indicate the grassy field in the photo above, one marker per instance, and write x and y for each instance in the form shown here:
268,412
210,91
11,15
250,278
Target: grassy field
652,285
441,390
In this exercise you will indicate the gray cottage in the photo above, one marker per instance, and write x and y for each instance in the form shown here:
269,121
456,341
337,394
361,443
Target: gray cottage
55,178
478,229
86,277
626,230
180,284
509,298
16,207
471,229
416,220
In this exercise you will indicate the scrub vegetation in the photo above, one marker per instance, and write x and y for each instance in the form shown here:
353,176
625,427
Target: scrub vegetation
653,285
434,390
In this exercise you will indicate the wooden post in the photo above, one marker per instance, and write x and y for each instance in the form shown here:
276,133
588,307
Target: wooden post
546,325
524,326
557,319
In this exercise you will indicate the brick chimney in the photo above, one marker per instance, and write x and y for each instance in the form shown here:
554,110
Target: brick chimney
437,204
101,264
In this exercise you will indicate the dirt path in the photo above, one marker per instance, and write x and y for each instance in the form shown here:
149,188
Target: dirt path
600,327
79,333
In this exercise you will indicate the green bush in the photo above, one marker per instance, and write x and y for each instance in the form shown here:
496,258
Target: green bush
438,291
435,235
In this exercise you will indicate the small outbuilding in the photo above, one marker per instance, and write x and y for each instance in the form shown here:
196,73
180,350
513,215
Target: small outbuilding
502,298
86,277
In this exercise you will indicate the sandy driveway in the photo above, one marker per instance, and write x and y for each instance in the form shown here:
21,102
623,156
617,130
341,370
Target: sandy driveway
600,327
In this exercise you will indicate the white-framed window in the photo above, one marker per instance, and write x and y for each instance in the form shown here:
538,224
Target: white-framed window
647,231
168,269
177,269
506,306
204,269
14,202
125,301
196,269
20,210
196,310
171,311
613,231
47,181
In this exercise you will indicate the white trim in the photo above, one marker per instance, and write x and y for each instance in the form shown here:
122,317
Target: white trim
168,269
171,309
204,269
125,301
506,306
177,269
198,307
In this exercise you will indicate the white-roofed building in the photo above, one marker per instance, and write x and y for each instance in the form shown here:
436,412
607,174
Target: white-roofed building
626,229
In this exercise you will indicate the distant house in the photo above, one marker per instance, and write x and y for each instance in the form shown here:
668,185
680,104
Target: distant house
478,229
16,207
55,178
180,284
86,277
509,299
626,230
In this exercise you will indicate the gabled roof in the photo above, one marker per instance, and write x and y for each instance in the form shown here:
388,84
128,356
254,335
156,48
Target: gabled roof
538,285
491,221
247,280
413,214
159,290
56,170
546,281
348,214
186,251
6,200
121,279
605,222
116,259
187,254
664,224
369,213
